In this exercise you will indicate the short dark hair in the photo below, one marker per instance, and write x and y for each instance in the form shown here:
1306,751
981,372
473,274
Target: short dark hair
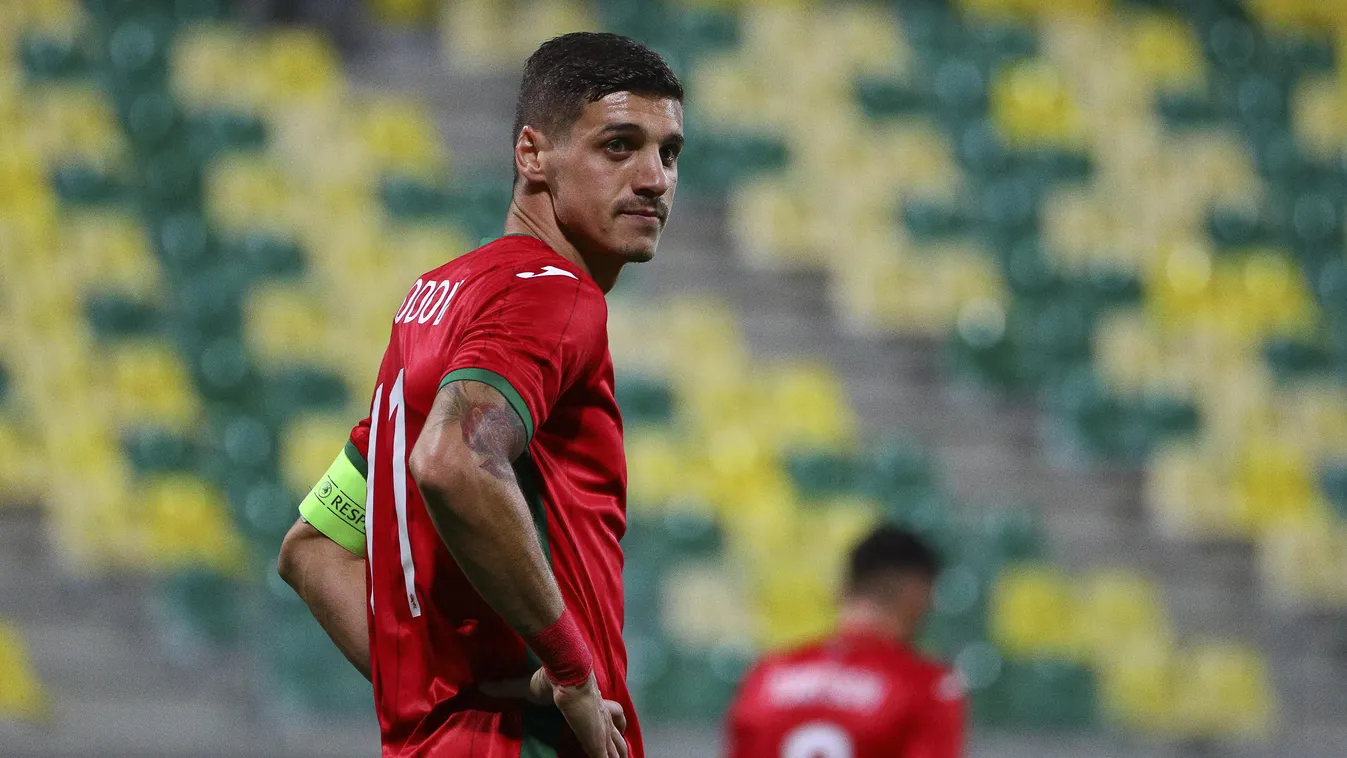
567,73
890,550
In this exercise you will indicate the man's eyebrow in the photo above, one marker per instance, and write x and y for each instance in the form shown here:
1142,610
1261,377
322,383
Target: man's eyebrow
627,127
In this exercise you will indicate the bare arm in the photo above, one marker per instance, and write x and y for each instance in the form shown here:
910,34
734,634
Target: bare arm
331,581
462,463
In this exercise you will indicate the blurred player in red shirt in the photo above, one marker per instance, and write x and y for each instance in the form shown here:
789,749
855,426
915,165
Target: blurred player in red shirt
463,549
864,692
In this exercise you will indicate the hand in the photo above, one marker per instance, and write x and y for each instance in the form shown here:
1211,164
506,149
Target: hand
598,723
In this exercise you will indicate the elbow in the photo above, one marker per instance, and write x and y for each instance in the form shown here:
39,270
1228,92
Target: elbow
290,560
442,480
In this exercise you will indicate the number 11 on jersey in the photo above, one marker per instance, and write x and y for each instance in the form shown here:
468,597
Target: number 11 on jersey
397,413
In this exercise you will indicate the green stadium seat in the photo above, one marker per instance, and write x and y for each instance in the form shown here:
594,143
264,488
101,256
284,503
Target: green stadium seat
960,89
1291,359
203,11
311,675
4,385
991,701
819,473
51,58
1015,533
300,389
264,255
84,185
692,684
925,219
154,451
1168,416
1053,694
199,608
897,465
247,443
1185,110
1334,484
113,316
883,97
267,513
151,117
705,31
409,198
958,616
724,159
137,48
183,242
170,179
644,400
216,131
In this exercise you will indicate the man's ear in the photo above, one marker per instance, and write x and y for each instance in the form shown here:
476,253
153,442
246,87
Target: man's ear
530,154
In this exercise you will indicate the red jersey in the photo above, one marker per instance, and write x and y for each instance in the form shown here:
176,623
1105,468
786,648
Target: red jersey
854,696
517,316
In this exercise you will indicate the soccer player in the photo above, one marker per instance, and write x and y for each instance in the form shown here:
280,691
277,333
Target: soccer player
864,693
489,480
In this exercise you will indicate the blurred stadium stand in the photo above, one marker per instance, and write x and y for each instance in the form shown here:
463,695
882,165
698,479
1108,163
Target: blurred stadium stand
1060,285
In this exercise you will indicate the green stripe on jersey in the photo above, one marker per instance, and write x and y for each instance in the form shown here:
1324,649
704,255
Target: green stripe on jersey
498,383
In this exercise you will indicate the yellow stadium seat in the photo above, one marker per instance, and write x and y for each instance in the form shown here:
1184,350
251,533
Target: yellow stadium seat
834,527
475,33
110,251
1187,494
1298,16
300,67
1223,690
1300,564
767,219
1165,52
21,693
74,123
285,323
1318,113
249,192
20,471
215,65
1031,106
655,470
151,385
1137,687
539,20
404,12
186,523
1032,613
1275,482
401,136
703,607
1118,609
793,604
808,407
308,447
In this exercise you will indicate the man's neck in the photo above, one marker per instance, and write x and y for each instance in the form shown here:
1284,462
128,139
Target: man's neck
861,616
524,218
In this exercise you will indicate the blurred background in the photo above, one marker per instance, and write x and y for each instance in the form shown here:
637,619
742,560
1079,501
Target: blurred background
1059,284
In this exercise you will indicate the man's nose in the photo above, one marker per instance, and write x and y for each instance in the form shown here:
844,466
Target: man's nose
652,178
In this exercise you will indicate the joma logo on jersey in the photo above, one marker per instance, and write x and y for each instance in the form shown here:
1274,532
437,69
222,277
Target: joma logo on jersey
547,271
427,300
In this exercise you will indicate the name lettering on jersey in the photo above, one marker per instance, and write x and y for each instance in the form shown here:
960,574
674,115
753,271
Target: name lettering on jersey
427,300
547,271
842,687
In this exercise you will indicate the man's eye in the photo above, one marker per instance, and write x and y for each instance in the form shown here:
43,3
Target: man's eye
618,145
669,155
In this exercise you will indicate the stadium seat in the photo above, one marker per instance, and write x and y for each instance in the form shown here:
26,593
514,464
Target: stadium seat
22,696
148,380
308,446
1032,613
1118,610
186,524
1138,687
1223,690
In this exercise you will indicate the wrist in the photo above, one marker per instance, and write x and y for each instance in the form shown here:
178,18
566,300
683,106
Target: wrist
561,648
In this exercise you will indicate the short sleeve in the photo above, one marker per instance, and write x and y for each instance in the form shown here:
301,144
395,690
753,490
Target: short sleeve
336,504
530,341
940,728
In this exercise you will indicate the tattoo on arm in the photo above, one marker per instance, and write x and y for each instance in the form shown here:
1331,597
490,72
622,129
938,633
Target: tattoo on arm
491,429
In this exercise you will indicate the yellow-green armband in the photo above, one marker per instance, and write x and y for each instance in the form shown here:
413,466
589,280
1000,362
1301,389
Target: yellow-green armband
336,504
